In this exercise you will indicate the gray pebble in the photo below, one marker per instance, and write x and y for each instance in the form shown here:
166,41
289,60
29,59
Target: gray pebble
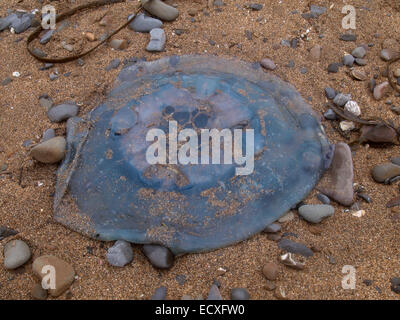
48,134
348,37
330,93
240,294
295,247
47,36
157,40
348,60
159,256
114,64
143,23
341,99
16,253
359,52
361,62
323,198
120,254
159,294
333,67
214,293
6,232
315,213
22,24
62,112
330,115
273,228
6,81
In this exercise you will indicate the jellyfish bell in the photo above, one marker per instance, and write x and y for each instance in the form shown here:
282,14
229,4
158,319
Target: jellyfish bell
108,190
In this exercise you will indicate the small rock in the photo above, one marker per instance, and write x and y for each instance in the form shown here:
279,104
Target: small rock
16,253
240,294
315,213
288,216
65,274
159,256
22,24
361,62
62,112
48,134
323,198
114,64
379,133
396,73
160,9
348,37
330,93
4,231
270,271
38,292
315,53
295,247
347,125
330,115
120,254
395,160
39,52
352,107
341,99
395,285
348,60
53,76
46,102
46,36
339,177
6,81
159,294
143,23
388,54
359,52
119,44
381,90
272,228
268,64
384,171
46,66
50,151
333,67
270,285
214,293
254,6
280,293
67,46
157,40
90,36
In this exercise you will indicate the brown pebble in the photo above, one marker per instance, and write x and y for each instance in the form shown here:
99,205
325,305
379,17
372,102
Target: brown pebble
280,293
274,236
359,75
270,271
315,53
381,90
119,44
90,36
50,151
316,230
270,285
38,292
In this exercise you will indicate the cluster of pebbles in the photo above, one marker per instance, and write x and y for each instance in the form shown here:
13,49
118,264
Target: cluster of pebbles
340,186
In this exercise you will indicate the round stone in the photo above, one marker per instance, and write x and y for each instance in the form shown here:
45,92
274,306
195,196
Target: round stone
16,253
316,213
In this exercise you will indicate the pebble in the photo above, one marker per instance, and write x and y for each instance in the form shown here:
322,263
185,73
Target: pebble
67,46
396,73
361,62
22,24
348,60
339,186
65,274
280,293
395,160
7,21
395,285
120,254
270,285
16,253
359,52
352,107
143,23
295,247
270,271
62,112
46,102
160,9
214,293
157,40
50,151
388,54
288,216
114,64
315,53
365,197
90,36
288,260
160,293
268,64
323,198
381,90
48,134
348,37
315,213
159,256
384,171
53,76
254,6
341,99
39,52
38,292
330,115
46,66
47,36
333,67
240,294
330,93
272,228
119,44
6,81
379,133
4,231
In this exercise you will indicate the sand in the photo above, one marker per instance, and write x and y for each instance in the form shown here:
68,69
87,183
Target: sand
369,243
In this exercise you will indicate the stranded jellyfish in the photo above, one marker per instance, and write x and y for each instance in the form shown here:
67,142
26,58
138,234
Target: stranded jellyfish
129,173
